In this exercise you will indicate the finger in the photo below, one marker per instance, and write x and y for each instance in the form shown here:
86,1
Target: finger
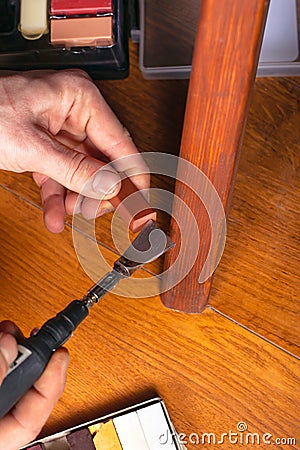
34,331
69,140
97,122
27,418
74,170
9,333
90,208
108,134
9,327
73,203
83,145
8,353
89,148
53,198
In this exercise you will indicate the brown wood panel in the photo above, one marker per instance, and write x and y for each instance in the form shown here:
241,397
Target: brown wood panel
223,71
257,282
170,30
211,372
263,241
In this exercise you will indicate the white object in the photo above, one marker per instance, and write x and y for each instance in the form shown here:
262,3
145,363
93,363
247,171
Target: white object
33,19
279,53
154,424
280,43
280,47
130,433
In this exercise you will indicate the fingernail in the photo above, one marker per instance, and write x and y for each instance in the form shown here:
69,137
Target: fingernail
92,214
7,348
77,209
63,357
34,331
102,212
106,182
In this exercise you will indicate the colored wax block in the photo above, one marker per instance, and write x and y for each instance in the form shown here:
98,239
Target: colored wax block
33,18
130,432
132,206
81,440
82,32
36,447
74,7
105,436
57,444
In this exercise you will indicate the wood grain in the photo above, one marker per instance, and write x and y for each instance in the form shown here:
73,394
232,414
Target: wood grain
211,372
263,226
223,71
170,30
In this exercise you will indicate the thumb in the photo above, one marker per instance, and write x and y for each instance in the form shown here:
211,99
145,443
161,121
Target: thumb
8,353
79,172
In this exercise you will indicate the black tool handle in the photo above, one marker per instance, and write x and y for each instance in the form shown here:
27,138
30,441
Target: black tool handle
35,352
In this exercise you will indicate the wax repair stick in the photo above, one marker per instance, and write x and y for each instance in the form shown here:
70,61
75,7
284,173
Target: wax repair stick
33,19
82,31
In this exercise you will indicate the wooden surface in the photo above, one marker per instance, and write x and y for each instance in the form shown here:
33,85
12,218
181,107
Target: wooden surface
223,71
165,22
238,360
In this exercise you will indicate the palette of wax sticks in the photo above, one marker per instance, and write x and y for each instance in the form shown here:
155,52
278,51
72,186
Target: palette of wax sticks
145,426
56,34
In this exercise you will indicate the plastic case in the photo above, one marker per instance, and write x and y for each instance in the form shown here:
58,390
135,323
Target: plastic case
145,426
167,35
18,53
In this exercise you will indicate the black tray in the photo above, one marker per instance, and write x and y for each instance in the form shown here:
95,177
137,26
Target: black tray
17,53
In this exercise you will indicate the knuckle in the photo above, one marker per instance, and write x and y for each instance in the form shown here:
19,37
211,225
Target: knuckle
77,170
75,77
78,73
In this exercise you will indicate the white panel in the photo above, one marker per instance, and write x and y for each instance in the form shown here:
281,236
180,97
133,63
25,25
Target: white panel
130,432
280,42
156,428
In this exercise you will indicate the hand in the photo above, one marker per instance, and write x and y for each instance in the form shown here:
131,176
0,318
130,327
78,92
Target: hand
57,125
24,422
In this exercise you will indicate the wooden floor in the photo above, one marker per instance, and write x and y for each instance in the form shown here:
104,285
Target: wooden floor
236,362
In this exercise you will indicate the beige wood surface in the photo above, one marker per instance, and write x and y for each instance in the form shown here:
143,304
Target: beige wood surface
213,370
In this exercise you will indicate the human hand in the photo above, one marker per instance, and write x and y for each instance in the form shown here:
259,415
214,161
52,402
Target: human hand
26,419
57,125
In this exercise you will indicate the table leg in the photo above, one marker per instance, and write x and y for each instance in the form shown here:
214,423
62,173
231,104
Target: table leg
223,72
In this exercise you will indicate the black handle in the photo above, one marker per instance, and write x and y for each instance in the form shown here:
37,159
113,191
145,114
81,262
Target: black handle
26,369
35,352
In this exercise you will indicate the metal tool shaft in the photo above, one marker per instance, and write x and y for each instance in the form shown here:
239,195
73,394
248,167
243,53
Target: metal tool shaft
151,243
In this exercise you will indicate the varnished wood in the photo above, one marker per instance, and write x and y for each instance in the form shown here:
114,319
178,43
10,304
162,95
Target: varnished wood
263,239
170,30
223,71
211,372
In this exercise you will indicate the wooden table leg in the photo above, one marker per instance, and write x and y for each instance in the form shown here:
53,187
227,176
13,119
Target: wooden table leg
223,71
